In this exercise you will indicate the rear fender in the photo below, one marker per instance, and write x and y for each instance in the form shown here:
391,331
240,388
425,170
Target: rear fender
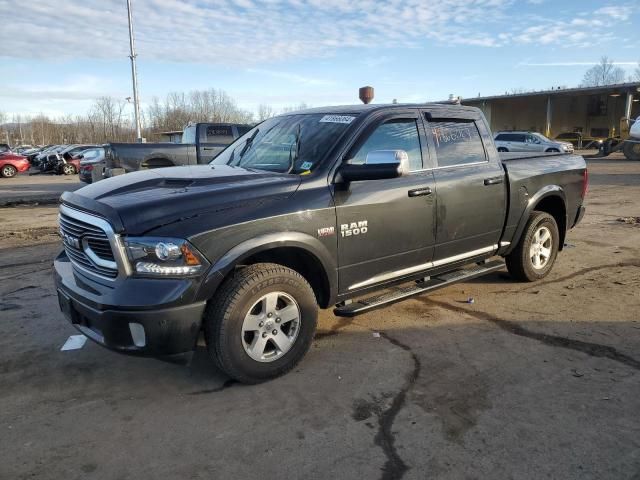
545,192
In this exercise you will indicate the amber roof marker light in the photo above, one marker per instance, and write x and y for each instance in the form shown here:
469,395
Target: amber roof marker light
366,95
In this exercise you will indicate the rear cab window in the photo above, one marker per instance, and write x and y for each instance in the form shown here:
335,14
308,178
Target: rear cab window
456,142
220,134
189,134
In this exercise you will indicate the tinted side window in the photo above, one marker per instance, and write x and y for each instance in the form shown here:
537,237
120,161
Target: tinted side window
219,134
503,137
457,142
398,134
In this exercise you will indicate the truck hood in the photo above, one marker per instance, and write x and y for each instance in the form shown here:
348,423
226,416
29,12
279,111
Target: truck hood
140,201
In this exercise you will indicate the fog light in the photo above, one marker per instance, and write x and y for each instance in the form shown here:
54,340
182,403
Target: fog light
137,334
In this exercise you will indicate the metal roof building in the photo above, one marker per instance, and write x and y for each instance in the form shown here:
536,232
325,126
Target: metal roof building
594,111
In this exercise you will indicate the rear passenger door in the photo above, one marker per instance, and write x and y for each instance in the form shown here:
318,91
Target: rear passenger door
470,186
212,140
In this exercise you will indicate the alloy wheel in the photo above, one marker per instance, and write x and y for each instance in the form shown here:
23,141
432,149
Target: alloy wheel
271,327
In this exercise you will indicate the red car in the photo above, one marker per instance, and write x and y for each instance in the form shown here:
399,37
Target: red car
11,164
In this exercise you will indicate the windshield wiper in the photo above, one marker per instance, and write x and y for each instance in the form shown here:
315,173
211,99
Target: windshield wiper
248,144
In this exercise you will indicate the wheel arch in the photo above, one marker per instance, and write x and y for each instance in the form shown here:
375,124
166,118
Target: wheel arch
157,161
552,200
298,251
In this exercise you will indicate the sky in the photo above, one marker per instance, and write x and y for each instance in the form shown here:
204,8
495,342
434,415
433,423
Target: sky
57,56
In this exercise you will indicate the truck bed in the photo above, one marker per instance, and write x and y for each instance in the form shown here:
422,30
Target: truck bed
507,156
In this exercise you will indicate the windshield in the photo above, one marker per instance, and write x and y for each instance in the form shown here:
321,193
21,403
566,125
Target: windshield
541,137
287,144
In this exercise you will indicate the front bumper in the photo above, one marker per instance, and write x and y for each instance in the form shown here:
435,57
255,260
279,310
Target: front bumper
168,325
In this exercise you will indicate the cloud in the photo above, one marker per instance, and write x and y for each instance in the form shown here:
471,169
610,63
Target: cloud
572,64
250,32
291,77
622,12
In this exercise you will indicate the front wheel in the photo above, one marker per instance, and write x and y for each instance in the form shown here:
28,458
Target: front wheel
552,150
502,149
9,171
533,257
68,169
261,322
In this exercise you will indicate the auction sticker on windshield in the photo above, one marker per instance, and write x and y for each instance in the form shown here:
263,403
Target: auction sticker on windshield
337,119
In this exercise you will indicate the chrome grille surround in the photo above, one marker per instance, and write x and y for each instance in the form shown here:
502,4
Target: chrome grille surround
91,245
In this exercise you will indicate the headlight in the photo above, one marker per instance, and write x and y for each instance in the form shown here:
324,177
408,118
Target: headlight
162,257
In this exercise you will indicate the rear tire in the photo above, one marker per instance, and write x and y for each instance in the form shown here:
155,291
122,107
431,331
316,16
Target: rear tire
252,304
9,171
502,149
68,169
536,252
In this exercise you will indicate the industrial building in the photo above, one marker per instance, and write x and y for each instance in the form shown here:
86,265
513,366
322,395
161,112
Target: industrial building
599,112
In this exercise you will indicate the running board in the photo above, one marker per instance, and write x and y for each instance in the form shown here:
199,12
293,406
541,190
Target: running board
434,283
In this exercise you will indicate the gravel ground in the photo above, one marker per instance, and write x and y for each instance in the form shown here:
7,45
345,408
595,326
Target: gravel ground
530,381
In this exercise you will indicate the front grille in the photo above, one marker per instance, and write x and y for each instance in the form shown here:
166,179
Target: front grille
87,245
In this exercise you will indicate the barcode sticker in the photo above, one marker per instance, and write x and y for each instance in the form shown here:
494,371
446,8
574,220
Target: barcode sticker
337,119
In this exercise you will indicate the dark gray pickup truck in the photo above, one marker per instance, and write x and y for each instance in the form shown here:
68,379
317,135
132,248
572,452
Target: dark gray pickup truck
201,142
316,208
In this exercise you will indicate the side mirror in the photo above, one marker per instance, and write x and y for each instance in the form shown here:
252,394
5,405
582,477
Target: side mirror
379,165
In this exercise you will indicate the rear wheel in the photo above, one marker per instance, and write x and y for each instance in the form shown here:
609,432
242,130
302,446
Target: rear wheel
631,150
533,257
502,149
68,169
261,322
9,171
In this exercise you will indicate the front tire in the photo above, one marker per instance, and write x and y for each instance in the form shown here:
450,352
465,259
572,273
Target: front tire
536,252
9,171
261,322
68,169
552,150
502,149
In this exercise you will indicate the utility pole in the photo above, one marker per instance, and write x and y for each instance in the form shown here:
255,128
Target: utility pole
134,75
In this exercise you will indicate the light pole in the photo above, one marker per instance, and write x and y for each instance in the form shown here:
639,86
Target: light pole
134,75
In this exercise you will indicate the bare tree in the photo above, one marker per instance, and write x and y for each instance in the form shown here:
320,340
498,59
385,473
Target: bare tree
604,73
265,111
293,108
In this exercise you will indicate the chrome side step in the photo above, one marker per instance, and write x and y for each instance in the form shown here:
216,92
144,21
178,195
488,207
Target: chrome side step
400,293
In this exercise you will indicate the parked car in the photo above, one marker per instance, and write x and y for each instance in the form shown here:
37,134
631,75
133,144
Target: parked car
91,165
201,142
11,164
579,140
314,208
42,155
529,142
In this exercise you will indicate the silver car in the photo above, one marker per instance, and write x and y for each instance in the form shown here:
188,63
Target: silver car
529,142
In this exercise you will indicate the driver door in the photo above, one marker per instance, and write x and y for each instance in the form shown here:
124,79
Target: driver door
386,228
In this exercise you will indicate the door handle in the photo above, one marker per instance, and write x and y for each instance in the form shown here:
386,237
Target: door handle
493,180
420,192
